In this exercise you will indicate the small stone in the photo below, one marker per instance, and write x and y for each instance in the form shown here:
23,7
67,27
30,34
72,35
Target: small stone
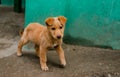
109,75
100,64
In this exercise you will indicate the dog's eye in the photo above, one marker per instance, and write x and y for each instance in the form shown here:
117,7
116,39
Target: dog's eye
61,27
53,28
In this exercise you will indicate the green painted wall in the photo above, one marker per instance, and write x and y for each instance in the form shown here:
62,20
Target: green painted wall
90,22
39,10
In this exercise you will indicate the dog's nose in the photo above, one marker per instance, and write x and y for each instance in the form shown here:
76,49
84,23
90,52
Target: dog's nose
58,36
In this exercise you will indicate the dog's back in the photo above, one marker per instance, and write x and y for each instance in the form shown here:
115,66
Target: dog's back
32,31
34,27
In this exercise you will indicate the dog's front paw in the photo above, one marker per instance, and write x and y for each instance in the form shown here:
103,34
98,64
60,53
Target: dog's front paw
63,64
44,68
19,54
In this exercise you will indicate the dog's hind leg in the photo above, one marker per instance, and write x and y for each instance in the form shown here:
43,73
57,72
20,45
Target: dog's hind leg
22,42
37,50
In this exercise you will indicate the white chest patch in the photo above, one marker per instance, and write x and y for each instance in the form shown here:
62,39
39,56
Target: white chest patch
54,45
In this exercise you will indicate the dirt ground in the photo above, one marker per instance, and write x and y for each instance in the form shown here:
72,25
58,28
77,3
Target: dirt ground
81,61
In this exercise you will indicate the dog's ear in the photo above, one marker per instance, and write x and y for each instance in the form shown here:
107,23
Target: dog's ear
62,20
49,21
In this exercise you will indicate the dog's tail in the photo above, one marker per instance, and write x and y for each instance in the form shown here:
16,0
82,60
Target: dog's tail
21,32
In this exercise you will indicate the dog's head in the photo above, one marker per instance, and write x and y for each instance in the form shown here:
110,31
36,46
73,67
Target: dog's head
56,26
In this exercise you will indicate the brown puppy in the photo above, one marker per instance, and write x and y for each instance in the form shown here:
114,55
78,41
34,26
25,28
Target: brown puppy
45,37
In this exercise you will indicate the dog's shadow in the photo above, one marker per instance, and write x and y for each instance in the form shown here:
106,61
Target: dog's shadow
53,63
30,57
34,59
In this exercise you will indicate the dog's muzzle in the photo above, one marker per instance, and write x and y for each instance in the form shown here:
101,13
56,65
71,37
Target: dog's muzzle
59,37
